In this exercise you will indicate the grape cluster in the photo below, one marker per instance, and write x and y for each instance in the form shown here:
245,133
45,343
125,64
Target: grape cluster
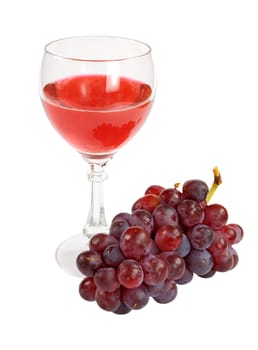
169,236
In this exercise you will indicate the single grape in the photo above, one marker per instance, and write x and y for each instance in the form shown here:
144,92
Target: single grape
112,255
87,289
164,215
216,216
219,244
168,293
122,309
184,247
135,242
88,262
108,301
106,280
171,196
154,189
190,213
168,237
199,261
100,241
233,233
156,289
144,219
223,262
155,269
200,236
118,227
130,273
148,202
176,265
136,298
122,216
196,190
186,278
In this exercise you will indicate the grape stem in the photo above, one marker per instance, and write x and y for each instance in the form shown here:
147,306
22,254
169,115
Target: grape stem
216,182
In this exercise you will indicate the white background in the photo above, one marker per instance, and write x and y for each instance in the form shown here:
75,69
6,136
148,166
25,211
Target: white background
204,115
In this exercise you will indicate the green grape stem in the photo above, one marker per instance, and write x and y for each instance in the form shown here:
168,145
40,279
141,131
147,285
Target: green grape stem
216,182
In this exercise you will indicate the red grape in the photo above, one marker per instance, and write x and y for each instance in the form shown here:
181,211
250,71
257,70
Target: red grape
196,190
144,219
147,202
88,262
200,236
155,269
105,279
223,262
130,273
136,298
135,242
216,216
164,215
87,289
154,189
176,265
233,233
108,301
100,241
168,292
171,196
168,237
190,212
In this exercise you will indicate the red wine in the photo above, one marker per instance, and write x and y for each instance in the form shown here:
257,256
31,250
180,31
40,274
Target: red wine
97,114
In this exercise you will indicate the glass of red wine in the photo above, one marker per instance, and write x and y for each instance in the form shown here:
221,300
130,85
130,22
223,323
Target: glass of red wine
97,92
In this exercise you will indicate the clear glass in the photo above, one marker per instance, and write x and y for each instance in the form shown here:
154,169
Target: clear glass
97,92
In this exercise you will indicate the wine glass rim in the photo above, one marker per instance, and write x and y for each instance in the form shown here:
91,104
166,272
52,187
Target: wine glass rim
53,52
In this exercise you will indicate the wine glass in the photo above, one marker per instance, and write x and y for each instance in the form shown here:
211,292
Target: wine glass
97,92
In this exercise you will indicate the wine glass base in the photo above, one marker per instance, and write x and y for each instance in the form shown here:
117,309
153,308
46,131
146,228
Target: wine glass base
67,252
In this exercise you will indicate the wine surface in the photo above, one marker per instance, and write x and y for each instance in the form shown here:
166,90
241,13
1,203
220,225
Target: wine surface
97,114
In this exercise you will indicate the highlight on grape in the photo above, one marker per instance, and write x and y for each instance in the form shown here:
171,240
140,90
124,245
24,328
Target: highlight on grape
169,236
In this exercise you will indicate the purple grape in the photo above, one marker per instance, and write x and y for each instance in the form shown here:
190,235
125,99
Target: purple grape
106,280
168,293
184,247
171,196
112,255
196,190
108,301
164,215
155,269
89,262
118,227
200,236
144,219
136,298
199,261
186,278
87,289
190,213
176,265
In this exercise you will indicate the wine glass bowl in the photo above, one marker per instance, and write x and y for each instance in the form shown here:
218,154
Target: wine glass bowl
97,92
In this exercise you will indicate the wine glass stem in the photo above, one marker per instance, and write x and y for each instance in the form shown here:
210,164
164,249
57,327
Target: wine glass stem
96,221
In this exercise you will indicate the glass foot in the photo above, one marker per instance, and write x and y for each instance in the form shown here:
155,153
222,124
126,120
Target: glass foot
67,252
